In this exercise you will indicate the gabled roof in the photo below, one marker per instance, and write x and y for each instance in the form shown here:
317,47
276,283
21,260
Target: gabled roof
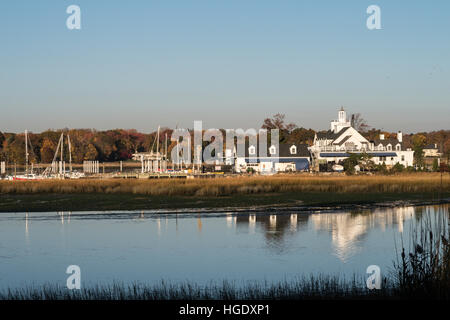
343,141
385,142
330,135
302,150
285,150
431,146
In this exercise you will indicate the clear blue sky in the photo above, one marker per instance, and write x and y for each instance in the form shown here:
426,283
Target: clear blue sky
137,64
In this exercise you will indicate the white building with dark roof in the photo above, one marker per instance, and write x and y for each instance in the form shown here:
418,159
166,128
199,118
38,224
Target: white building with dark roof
285,157
336,144
431,151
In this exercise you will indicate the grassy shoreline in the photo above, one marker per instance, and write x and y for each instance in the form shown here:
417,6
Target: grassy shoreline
274,191
313,287
266,202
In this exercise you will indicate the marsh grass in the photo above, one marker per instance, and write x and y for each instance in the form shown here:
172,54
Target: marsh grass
313,287
423,267
228,186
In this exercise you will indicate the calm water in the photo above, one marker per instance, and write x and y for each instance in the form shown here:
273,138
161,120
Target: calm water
147,247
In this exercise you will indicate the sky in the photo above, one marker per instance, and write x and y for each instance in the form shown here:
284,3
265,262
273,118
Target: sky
140,64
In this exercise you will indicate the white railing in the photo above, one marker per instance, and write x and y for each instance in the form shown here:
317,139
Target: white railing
335,149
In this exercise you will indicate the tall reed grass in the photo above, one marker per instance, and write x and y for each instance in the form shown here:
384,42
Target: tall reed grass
313,287
407,183
423,266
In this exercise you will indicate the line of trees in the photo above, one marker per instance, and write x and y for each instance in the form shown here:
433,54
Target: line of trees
86,144
120,144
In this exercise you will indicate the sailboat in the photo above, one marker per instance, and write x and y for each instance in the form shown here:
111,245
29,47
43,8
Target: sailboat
58,168
28,175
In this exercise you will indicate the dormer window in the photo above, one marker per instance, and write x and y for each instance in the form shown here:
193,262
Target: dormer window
380,147
272,150
252,150
398,147
389,147
293,150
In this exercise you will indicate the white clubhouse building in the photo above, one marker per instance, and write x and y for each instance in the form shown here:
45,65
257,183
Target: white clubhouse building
336,144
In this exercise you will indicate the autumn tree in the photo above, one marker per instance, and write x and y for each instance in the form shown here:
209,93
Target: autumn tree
2,151
278,122
418,142
2,139
359,123
447,149
91,153
301,135
106,147
47,151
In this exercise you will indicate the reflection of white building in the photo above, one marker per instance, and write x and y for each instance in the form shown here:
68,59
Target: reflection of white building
231,220
293,219
347,230
342,139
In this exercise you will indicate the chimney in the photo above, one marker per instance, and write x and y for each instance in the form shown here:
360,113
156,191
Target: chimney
435,146
400,136
381,136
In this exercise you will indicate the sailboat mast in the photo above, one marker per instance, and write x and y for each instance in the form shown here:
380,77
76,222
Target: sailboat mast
62,147
157,150
70,152
26,151
62,154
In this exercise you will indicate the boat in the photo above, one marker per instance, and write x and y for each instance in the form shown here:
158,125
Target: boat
27,177
337,168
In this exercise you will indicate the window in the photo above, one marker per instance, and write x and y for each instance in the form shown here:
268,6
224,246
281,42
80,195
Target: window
293,150
272,150
389,147
252,150
403,158
398,147
349,146
382,158
380,147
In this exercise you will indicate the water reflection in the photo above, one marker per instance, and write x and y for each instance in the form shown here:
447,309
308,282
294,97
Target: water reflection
231,220
275,227
200,246
199,224
27,233
64,216
348,230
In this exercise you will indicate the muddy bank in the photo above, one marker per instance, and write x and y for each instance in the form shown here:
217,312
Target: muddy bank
273,202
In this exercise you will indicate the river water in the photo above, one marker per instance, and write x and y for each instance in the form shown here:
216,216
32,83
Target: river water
147,247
